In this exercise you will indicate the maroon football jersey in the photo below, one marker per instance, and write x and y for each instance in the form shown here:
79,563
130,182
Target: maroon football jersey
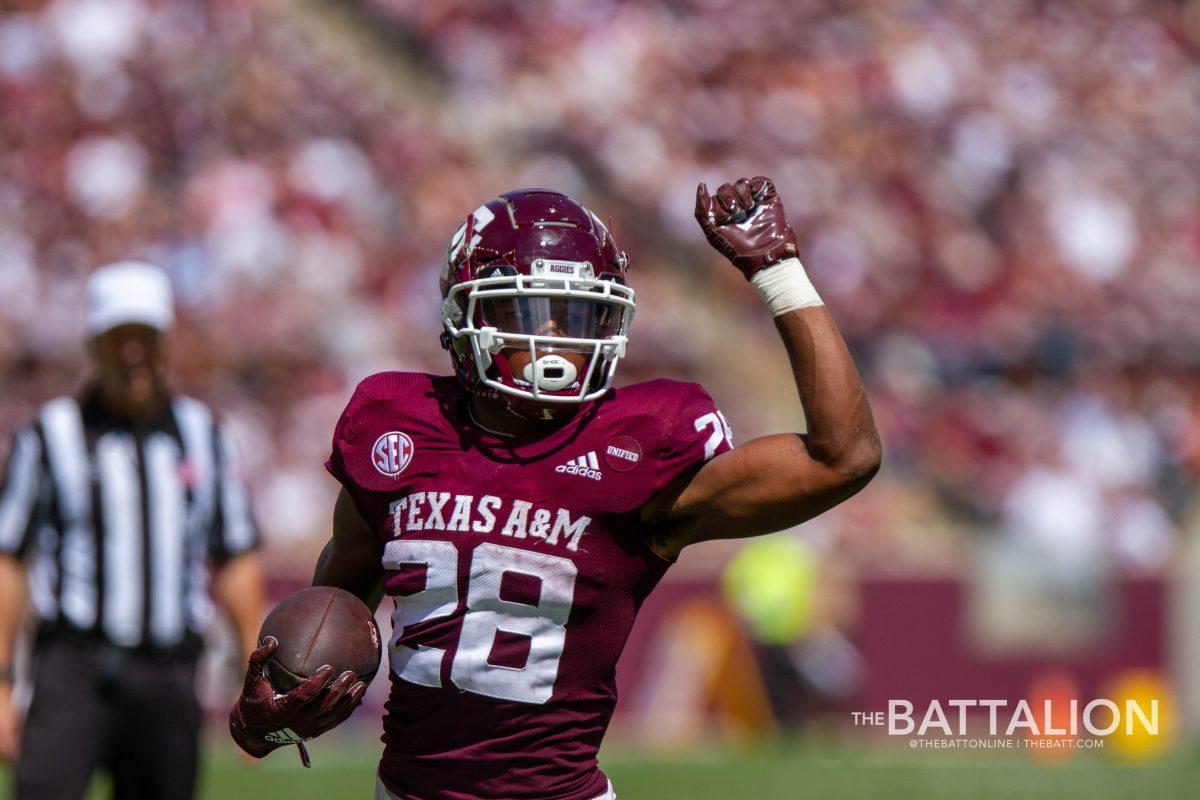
517,567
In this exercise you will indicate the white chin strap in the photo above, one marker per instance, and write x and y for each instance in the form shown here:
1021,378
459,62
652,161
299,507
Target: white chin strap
550,373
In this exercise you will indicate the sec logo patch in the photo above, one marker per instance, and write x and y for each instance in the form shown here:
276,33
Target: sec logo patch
391,453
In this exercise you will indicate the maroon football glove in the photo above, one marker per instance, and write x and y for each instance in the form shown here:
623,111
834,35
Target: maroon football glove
746,223
262,720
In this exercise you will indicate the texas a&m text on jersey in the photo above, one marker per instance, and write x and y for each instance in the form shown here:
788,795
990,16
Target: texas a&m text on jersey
519,512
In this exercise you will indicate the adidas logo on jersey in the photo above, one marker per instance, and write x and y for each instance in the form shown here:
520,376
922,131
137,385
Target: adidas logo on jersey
585,466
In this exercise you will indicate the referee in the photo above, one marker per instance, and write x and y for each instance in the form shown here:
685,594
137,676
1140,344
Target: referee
114,507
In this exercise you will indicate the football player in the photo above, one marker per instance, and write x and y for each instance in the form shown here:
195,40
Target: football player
519,512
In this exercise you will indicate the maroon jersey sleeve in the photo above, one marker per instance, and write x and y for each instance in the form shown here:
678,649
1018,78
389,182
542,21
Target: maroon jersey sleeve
680,428
361,447
699,432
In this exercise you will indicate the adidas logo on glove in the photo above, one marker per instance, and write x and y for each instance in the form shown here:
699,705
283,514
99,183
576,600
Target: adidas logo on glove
585,466
285,736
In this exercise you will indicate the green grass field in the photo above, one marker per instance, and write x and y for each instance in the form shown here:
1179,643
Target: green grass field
804,770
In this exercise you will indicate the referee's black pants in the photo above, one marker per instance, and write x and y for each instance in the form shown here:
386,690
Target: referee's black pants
98,707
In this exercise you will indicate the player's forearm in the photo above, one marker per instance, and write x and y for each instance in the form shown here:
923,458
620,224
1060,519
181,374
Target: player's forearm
12,605
238,587
841,429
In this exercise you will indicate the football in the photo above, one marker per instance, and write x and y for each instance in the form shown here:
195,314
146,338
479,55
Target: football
317,626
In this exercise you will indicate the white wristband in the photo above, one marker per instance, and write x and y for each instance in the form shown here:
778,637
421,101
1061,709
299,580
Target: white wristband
785,287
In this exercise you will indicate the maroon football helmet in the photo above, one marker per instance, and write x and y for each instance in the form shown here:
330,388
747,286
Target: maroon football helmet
535,272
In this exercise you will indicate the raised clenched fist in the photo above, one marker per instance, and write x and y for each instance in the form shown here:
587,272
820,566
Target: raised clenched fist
745,221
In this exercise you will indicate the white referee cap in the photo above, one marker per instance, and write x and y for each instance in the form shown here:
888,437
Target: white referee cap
129,292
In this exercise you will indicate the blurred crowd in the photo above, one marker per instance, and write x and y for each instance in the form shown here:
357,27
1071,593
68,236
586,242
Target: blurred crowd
998,201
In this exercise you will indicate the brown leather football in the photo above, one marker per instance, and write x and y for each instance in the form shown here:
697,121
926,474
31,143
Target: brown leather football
318,626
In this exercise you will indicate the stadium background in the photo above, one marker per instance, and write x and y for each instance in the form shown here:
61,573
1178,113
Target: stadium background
997,200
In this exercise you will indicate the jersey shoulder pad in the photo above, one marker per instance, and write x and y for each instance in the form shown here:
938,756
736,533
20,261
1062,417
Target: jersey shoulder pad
395,389
676,424
373,441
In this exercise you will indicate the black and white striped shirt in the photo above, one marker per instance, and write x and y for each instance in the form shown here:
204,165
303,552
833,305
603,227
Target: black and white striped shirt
118,524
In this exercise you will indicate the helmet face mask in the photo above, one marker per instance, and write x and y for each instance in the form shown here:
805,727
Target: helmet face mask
535,306
548,318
